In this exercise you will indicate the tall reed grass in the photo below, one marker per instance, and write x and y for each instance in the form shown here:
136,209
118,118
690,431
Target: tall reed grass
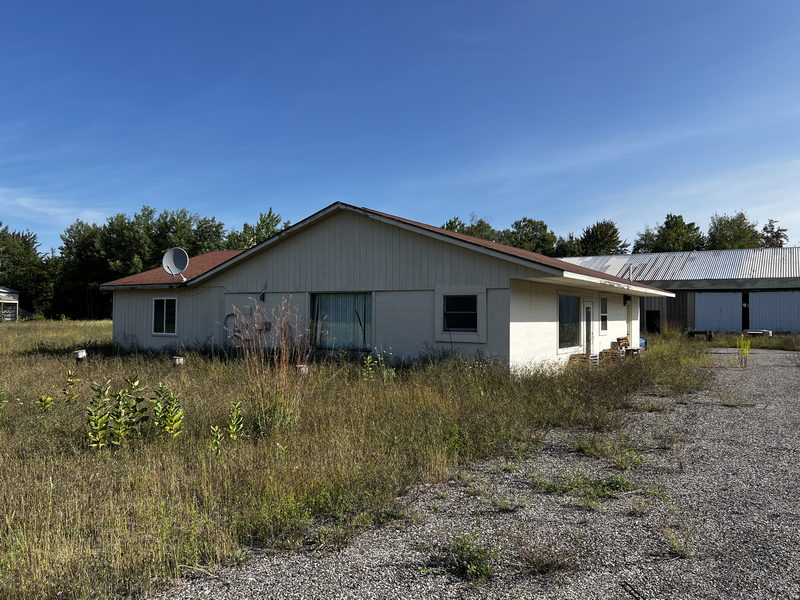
82,522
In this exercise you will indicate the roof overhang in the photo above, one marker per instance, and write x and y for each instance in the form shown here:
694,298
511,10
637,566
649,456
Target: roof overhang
579,280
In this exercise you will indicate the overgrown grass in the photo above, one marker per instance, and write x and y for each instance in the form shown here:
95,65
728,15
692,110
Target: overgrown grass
98,523
789,342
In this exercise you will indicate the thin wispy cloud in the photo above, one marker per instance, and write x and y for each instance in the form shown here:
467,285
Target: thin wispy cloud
27,206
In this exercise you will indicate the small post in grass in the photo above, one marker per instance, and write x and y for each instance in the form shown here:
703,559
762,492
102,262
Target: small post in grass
177,362
79,356
301,370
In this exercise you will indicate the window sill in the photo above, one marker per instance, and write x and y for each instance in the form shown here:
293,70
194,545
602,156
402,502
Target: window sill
571,350
164,334
460,337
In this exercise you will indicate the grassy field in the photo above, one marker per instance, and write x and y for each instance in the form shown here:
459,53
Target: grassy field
303,459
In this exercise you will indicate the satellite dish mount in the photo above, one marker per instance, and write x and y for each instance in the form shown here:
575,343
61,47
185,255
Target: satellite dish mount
175,261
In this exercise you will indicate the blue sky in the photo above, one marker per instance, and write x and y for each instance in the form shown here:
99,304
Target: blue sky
564,111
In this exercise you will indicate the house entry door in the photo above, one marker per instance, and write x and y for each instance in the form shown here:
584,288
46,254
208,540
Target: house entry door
587,326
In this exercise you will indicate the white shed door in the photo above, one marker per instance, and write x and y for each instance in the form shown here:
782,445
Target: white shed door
719,311
778,311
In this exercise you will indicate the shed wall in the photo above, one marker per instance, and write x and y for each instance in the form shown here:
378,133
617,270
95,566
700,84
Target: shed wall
776,311
718,311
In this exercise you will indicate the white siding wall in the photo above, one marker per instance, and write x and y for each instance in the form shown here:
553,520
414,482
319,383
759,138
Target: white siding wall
718,311
404,324
534,322
778,311
349,252
197,311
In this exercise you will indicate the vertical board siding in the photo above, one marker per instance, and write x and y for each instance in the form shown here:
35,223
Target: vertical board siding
718,311
348,252
776,311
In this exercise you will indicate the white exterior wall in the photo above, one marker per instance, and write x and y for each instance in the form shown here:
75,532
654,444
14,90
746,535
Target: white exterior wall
406,272
534,322
404,324
777,311
197,310
718,311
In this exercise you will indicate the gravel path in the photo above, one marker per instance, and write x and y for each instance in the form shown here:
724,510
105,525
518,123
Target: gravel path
721,471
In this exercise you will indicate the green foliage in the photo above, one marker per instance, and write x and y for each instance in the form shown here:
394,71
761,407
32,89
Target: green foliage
268,224
376,368
615,449
773,236
476,227
743,349
167,411
235,421
465,557
124,245
45,402
568,246
532,235
580,484
673,235
115,418
216,440
603,238
70,395
98,415
732,232
25,269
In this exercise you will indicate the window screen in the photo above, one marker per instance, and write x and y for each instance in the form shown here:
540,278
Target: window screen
460,313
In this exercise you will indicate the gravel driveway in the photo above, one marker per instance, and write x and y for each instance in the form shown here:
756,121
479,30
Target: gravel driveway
720,471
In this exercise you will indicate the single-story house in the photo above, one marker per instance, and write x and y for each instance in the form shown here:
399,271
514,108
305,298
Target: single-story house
364,280
9,304
715,290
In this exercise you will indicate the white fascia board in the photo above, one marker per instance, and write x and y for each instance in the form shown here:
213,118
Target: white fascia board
633,288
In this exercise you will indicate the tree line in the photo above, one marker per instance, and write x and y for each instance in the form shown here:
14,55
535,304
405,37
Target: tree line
68,283
674,234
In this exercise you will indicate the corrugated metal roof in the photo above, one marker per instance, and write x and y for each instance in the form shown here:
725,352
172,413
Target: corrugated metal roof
8,290
756,263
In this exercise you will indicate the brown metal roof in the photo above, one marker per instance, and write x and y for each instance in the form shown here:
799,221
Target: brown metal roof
197,266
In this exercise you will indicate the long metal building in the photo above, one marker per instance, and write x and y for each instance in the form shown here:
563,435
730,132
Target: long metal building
717,290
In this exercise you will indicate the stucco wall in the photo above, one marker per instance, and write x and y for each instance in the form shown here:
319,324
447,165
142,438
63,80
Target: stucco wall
534,322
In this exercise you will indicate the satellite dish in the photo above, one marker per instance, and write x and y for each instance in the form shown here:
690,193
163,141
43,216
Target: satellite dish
175,261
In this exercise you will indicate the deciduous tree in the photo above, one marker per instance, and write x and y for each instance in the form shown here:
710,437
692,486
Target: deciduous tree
733,232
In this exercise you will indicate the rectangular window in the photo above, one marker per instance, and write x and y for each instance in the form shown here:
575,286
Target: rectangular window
164,310
460,313
568,321
603,314
342,320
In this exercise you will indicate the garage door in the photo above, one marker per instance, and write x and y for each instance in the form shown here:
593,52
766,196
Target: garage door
718,311
778,311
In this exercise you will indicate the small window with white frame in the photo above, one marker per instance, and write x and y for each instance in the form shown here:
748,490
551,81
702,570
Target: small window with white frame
603,314
164,316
